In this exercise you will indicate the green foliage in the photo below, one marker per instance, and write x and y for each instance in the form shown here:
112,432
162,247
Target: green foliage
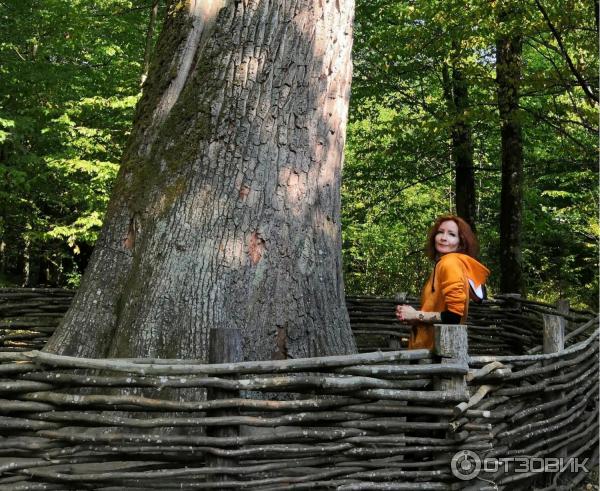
398,169
70,78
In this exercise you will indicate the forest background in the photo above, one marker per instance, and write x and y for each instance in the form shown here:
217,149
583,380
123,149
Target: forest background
71,73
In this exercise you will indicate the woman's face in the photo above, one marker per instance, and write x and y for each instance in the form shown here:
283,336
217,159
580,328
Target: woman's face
447,238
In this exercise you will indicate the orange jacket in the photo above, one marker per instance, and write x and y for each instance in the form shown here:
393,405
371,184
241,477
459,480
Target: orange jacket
447,289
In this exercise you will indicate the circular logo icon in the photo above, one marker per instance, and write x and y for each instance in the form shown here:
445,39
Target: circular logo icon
466,465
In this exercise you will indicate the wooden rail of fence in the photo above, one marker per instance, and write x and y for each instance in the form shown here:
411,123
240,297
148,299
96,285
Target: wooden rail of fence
506,325
380,420
355,422
29,316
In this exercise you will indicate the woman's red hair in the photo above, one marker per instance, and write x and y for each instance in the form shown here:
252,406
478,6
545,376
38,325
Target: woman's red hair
468,245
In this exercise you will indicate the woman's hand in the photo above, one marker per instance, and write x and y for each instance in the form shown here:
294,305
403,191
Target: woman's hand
405,313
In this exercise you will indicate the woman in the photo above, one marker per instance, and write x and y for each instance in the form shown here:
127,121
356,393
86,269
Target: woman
456,277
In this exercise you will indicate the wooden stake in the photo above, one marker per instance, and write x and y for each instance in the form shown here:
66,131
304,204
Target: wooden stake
554,341
225,347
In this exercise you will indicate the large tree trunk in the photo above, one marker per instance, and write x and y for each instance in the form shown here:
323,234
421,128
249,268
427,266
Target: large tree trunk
226,210
508,77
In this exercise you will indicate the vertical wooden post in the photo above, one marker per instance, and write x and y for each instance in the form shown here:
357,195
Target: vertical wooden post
451,346
563,306
395,342
401,297
225,347
554,333
554,341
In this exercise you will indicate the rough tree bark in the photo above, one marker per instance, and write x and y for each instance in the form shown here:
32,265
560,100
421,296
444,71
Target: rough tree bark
508,78
226,209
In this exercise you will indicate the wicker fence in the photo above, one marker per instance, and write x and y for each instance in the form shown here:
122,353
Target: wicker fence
504,326
388,419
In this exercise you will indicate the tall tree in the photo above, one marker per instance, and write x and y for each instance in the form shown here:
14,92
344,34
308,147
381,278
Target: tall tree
590,93
400,145
149,39
226,209
508,78
456,92
69,81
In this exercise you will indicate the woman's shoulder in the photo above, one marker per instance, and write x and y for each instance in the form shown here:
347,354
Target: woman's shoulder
456,261
453,261
452,258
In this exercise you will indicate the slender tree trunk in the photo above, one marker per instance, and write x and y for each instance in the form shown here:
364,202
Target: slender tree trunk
226,209
31,262
2,257
463,152
456,93
508,77
592,97
149,38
